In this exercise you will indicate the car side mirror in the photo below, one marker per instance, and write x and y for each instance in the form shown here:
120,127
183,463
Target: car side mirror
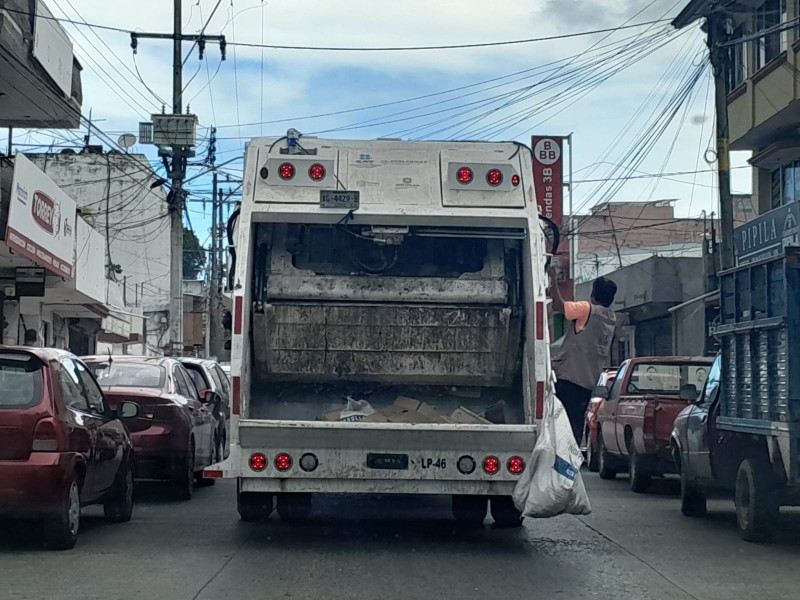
128,410
688,392
210,396
601,391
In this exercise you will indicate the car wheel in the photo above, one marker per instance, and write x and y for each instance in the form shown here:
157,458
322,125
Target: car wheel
183,483
693,501
591,456
603,460
470,510
757,505
62,531
119,507
253,506
504,513
201,481
639,471
294,507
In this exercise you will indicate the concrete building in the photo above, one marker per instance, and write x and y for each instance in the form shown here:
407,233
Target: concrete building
120,196
40,79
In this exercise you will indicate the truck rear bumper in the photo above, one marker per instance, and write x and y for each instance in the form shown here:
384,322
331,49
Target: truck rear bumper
378,486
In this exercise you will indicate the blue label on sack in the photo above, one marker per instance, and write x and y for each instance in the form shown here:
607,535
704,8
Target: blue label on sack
566,469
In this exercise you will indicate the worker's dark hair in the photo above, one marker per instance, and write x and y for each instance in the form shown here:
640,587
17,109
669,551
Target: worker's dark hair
31,337
603,291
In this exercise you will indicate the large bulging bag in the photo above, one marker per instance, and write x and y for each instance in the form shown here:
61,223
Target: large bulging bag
552,484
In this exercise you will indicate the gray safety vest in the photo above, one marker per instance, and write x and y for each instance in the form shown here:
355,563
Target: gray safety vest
584,355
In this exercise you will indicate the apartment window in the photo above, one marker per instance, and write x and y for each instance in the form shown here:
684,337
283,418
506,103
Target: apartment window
737,60
768,47
785,184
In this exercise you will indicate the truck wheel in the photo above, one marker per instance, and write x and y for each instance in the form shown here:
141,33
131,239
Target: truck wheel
504,513
604,460
294,507
61,533
254,506
757,505
470,510
693,501
119,507
640,475
591,455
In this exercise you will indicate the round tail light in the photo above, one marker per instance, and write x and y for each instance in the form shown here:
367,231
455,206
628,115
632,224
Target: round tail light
283,462
466,465
491,464
316,172
309,462
286,171
515,465
258,462
515,180
494,177
465,175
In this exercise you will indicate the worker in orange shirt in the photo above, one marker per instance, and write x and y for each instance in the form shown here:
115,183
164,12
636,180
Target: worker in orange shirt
586,348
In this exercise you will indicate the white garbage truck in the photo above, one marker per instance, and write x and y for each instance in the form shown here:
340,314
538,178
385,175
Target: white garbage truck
389,326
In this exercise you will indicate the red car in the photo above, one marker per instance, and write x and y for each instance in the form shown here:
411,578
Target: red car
62,446
589,441
178,440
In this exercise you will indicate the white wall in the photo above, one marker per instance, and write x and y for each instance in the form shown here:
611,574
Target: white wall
138,226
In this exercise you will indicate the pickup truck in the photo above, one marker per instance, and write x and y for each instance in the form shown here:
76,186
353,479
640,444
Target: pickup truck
635,422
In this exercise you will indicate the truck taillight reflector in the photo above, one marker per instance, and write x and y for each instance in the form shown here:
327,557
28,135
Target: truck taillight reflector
237,315
491,464
540,320
539,400
515,465
316,172
212,474
237,394
465,175
286,171
258,461
283,462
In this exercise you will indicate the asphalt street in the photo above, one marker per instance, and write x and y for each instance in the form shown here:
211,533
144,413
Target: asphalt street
631,547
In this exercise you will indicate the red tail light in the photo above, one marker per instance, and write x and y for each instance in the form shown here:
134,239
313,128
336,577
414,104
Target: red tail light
494,177
286,171
316,172
491,464
515,465
258,462
515,180
47,436
283,462
465,175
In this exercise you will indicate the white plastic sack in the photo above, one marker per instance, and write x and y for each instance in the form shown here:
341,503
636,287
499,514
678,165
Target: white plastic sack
552,484
356,410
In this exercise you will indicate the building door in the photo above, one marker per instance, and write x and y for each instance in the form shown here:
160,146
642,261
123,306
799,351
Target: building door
654,337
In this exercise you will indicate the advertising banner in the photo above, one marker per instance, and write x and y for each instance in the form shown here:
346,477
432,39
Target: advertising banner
41,220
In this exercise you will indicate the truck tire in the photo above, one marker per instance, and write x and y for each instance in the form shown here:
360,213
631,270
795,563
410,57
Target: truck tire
470,510
61,532
640,474
591,455
693,500
504,513
253,506
757,504
119,506
294,507
604,467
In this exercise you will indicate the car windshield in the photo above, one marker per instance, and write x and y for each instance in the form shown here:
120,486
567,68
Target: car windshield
20,380
128,374
666,378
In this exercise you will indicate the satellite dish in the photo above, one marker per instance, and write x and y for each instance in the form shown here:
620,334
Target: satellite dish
126,140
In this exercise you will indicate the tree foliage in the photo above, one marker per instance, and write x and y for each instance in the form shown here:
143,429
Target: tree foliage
194,257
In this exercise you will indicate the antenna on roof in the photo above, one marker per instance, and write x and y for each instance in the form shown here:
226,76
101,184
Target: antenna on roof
110,360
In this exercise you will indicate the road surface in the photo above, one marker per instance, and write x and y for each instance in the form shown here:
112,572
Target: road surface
631,547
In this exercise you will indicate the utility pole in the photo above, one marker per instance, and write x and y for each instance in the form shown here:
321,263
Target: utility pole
177,132
716,27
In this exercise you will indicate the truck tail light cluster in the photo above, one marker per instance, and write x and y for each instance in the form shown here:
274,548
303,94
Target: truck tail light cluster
258,461
283,462
515,465
316,172
465,175
483,177
494,177
491,465
286,171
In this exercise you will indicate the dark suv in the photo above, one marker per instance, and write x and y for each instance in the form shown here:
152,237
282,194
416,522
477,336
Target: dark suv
61,446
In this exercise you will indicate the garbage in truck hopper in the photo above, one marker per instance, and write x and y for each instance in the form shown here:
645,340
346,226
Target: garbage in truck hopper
403,410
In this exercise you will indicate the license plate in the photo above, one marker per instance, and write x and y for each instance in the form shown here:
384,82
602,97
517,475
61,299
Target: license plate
339,199
397,462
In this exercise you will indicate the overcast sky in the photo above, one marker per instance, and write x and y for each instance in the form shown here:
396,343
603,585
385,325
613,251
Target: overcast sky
608,89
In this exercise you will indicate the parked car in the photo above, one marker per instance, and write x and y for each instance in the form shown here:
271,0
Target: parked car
179,441
209,376
589,441
636,419
62,446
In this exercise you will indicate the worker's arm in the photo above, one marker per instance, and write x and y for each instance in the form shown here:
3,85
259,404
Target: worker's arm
555,291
